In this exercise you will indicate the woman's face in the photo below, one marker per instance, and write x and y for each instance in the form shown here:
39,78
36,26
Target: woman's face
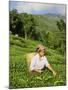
42,52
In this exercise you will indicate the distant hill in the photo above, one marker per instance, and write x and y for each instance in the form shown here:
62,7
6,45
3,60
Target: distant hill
48,22
42,28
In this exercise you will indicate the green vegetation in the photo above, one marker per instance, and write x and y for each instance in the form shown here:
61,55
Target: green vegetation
48,29
19,76
26,32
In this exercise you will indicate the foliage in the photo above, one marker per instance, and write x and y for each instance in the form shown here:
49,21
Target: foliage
62,34
50,30
27,31
16,24
18,71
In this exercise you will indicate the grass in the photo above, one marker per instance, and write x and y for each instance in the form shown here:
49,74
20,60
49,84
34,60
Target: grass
18,73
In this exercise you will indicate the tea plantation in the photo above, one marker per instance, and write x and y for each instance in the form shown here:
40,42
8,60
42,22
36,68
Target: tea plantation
18,71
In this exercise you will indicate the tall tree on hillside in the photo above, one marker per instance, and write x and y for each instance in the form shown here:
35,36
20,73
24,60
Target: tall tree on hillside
26,24
61,25
15,23
29,24
34,33
62,28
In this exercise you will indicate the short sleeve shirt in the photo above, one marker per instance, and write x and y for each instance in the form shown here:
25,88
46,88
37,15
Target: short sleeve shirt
38,62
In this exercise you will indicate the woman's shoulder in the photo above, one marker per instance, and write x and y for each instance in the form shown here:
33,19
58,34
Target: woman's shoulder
35,55
30,56
45,57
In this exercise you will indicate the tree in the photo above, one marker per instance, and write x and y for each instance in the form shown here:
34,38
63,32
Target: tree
26,19
34,32
61,25
16,24
62,33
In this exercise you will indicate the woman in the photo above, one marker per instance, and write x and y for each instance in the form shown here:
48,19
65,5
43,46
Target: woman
39,61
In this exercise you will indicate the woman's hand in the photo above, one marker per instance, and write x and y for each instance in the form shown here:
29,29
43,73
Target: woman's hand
38,70
54,73
51,69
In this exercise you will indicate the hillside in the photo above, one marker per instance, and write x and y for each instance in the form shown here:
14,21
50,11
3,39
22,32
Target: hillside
48,28
48,22
18,73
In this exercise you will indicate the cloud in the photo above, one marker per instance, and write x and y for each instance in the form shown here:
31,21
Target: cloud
29,7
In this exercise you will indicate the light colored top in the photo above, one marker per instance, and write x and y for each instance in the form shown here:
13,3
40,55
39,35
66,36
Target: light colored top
38,63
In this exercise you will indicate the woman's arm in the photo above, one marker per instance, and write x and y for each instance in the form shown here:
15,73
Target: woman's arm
49,66
51,69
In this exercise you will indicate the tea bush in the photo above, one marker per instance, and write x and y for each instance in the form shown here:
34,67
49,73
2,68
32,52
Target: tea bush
18,70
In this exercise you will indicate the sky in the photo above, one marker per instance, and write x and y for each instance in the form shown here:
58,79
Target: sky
37,8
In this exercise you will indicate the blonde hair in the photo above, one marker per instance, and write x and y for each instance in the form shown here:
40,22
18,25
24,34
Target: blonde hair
39,48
